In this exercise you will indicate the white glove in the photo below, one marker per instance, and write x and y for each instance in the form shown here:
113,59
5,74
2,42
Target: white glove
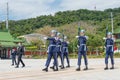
76,36
113,39
86,37
45,38
78,46
104,47
68,42
104,38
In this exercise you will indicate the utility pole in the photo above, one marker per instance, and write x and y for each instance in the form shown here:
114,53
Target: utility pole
7,15
112,22
0,24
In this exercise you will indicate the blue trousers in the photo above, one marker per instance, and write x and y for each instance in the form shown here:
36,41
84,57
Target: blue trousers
14,60
50,55
61,57
65,55
80,54
111,57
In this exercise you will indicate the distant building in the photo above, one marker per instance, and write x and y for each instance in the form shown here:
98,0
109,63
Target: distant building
33,37
7,42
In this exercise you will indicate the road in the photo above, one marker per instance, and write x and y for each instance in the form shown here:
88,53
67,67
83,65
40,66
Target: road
33,71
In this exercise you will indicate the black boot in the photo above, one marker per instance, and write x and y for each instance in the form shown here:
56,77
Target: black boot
16,67
55,69
23,66
106,68
112,67
62,67
45,69
52,67
78,69
86,68
68,66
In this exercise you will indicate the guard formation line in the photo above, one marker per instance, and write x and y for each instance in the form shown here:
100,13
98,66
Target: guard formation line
58,47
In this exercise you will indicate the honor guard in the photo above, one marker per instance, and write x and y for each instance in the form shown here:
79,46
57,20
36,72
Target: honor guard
58,50
109,43
51,51
82,49
65,52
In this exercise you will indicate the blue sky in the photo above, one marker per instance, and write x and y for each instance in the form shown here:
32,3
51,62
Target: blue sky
23,9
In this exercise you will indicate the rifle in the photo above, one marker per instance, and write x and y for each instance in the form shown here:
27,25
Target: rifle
78,29
78,32
63,35
56,34
106,30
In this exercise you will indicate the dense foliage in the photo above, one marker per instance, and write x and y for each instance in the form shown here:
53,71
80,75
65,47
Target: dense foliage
101,18
94,22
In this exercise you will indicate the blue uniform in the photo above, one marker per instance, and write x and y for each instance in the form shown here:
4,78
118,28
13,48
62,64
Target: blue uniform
82,49
58,50
109,50
14,53
65,52
52,52
58,45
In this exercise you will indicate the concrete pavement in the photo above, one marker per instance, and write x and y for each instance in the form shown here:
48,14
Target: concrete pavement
33,71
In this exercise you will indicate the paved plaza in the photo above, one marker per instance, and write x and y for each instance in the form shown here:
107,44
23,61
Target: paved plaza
33,71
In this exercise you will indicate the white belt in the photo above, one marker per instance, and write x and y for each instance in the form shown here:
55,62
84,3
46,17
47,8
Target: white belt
58,46
51,45
83,45
65,47
110,46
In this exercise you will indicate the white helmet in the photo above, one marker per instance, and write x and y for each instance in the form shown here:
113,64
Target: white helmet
53,31
58,34
82,31
109,33
65,37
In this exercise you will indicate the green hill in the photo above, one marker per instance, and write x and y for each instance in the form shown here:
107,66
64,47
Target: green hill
94,22
100,18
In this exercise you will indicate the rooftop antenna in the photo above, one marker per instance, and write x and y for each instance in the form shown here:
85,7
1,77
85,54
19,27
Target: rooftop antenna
95,7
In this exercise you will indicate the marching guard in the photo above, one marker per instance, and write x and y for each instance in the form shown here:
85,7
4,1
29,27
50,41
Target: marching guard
51,51
82,39
65,52
58,50
109,43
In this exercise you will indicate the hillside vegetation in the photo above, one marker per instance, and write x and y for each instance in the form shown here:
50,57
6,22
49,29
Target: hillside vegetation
94,22
100,18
